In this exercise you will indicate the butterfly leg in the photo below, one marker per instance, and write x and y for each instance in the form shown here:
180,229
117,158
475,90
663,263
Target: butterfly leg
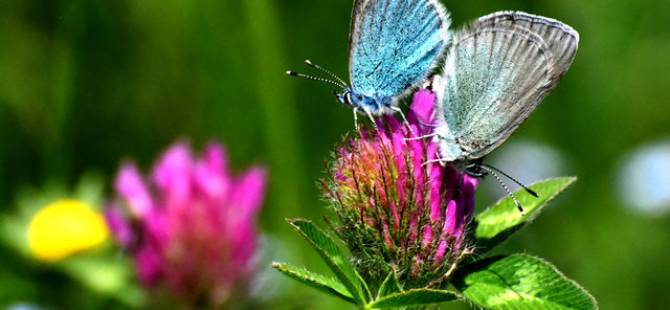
440,161
372,119
432,135
404,120
356,118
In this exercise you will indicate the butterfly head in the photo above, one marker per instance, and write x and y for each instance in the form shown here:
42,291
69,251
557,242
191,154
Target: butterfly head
365,103
346,97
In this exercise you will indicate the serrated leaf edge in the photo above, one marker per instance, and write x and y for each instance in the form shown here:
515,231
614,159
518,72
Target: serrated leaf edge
374,305
289,270
530,218
562,275
361,296
545,263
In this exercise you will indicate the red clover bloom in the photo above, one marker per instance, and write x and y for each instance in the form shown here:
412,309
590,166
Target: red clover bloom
191,227
395,212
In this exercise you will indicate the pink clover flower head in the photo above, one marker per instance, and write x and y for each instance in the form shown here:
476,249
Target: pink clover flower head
191,225
395,211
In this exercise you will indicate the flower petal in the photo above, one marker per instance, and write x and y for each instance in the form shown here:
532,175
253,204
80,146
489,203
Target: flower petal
130,186
149,264
119,226
211,174
172,175
249,191
422,111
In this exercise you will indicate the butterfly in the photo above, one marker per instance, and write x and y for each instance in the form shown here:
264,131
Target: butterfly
394,46
497,72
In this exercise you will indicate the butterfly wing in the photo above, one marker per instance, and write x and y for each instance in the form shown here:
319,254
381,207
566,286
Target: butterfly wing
394,44
497,72
561,38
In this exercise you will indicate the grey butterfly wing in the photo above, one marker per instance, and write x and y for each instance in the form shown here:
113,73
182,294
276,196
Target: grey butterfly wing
562,39
495,76
394,44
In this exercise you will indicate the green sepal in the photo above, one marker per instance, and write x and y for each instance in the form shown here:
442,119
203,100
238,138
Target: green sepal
389,286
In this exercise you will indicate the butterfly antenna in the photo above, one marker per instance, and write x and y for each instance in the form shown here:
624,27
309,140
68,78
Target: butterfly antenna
314,78
528,190
504,186
326,71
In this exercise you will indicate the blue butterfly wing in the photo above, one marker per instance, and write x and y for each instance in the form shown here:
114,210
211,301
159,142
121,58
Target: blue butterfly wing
394,44
496,74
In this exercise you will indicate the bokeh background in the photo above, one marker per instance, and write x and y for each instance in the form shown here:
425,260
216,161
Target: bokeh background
85,84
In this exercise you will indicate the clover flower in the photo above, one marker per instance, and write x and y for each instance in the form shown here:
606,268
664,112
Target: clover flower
395,211
190,227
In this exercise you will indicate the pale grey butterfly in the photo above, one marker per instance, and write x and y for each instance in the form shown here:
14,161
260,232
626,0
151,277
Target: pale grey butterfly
496,73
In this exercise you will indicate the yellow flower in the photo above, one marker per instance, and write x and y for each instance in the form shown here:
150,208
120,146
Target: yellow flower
63,228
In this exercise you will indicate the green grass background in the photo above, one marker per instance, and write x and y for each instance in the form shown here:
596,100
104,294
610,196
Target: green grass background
87,83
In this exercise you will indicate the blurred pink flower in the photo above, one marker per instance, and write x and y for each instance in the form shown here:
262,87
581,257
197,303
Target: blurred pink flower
191,226
396,212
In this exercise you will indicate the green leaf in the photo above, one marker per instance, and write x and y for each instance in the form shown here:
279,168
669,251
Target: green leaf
522,282
106,274
413,298
389,286
501,220
315,280
334,258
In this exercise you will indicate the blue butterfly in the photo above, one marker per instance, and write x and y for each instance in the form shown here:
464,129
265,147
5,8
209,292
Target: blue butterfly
394,45
497,72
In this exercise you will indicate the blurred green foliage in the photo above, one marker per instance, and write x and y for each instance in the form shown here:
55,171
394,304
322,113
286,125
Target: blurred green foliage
97,277
87,83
